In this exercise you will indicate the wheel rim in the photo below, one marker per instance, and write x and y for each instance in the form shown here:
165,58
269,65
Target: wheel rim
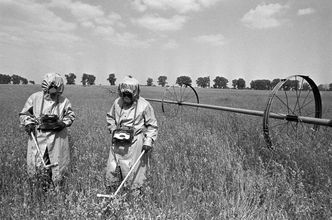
292,97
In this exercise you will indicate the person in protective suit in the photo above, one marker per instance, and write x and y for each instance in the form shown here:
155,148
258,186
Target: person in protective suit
133,126
47,114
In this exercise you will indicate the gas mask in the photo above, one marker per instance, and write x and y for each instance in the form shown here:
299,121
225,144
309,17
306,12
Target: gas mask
53,89
127,97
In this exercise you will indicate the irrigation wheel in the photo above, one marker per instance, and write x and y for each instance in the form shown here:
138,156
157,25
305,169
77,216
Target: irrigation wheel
174,96
290,99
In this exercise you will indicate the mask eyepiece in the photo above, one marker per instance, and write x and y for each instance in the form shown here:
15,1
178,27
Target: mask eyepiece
127,94
53,88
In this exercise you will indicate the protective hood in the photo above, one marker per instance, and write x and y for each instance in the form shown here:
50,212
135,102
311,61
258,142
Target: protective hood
129,84
53,79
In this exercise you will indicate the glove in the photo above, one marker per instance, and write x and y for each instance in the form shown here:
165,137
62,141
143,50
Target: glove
59,126
147,148
30,128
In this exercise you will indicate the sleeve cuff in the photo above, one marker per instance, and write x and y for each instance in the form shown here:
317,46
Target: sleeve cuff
67,122
28,122
111,128
148,142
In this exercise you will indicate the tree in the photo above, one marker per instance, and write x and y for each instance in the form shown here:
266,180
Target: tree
149,82
32,82
111,78
241,84
24,81
5,79
70,78
253,84
220,82
162,80
203,81
321,87
234,83
330,86
183,80
91,79
274,82
291,85
84,79
261,84
306,87
88,79
16,79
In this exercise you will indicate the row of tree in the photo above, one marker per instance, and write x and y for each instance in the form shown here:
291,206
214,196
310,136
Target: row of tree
87,79
220,82
14,79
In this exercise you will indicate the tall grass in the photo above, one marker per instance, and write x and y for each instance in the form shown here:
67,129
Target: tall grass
206,164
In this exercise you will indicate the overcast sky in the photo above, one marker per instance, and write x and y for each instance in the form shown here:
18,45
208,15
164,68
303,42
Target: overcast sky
249,39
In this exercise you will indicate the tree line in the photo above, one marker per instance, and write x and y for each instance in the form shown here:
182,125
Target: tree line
14,79
219,82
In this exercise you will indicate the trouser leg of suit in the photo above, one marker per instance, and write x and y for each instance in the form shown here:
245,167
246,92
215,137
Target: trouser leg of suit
113,173
127,156
46,174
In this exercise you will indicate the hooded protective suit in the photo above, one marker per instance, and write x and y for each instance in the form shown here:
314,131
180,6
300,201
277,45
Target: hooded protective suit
53,143
140,116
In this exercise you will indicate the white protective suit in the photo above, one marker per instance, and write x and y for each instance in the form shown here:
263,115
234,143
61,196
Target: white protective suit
141,116
56,142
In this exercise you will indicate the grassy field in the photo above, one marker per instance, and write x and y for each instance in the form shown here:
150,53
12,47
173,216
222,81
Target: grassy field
206,164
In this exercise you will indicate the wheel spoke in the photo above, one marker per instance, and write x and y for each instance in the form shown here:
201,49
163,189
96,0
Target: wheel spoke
292,125
186,94
170,96
311,100
189,97
306,98
296,95
181,92
287,101
278,124
301,86
175,95
284,104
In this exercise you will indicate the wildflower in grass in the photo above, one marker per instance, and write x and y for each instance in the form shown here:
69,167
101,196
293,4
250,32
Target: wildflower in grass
46,116
132,123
